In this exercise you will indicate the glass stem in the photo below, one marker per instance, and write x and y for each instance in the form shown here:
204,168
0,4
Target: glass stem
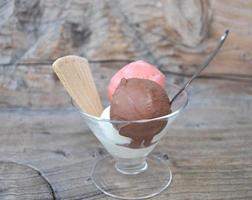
131,166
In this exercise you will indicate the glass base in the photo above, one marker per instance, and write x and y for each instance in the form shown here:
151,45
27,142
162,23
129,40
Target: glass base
150,182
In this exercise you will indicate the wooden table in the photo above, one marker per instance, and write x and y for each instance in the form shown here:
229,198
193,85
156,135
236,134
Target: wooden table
49,154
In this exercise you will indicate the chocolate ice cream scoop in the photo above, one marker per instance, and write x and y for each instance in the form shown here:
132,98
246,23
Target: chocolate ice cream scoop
138,99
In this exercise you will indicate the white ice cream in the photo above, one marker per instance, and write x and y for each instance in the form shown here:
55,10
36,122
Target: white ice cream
113,141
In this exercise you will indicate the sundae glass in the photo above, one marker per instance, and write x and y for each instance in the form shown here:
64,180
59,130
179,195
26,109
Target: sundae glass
139,115
129,171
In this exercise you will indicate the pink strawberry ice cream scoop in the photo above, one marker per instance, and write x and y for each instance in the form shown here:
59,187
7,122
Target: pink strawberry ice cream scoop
137,69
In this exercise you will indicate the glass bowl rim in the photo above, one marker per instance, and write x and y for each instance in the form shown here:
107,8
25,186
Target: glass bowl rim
185,93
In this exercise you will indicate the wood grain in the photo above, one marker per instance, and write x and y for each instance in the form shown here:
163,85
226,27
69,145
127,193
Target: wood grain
176,36
209,146
23,182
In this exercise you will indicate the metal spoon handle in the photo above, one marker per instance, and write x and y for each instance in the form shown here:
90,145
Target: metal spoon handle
204,65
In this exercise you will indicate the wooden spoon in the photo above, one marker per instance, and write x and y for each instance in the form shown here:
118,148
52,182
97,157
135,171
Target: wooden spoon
75,75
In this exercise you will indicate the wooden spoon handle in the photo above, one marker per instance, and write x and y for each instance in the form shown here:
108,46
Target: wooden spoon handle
75,75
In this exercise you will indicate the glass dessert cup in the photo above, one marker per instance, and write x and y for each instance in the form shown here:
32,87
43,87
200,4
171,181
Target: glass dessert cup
128,172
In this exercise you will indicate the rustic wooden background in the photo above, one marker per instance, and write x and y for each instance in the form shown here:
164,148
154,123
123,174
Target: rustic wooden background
46,151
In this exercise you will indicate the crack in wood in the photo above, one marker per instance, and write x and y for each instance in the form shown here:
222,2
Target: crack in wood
229,77
38,172
221,76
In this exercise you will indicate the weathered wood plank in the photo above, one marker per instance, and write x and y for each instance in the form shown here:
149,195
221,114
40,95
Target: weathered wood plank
175,36
22,182
209,146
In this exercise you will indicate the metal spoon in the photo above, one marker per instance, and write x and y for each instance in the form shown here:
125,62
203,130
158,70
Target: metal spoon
203,66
